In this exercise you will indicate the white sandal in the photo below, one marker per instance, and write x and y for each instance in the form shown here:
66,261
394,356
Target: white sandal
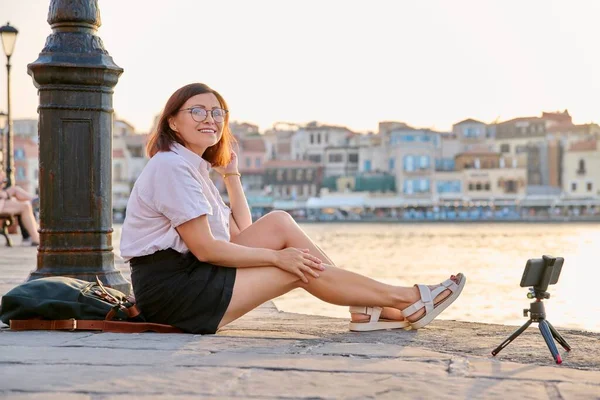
426,301
374,324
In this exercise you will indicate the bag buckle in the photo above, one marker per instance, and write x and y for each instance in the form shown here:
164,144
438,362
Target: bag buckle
74,325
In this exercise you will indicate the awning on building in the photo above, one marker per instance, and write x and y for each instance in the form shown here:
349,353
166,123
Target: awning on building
578,202
384,202
336,202
538,201
288,204
424,202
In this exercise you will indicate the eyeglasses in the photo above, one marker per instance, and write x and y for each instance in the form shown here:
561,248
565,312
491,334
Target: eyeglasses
199,114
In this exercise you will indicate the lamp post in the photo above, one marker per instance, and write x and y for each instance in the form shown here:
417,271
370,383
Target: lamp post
3,117
75,77
9,37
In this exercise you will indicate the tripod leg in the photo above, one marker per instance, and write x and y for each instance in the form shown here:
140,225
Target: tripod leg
558,337
511,337
547,334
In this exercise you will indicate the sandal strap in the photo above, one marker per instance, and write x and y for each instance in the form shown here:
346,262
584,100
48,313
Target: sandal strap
374,312
427,297
426,301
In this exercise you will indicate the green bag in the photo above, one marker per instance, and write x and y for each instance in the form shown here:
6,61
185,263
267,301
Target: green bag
63,303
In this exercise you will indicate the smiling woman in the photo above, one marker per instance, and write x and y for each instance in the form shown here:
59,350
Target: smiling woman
198,264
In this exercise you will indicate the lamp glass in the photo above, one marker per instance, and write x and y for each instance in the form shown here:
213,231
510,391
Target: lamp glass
8,42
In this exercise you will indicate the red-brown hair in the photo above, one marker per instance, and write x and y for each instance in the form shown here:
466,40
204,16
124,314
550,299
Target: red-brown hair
163,137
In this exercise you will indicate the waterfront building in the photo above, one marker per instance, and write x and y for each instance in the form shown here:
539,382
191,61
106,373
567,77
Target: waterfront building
412,159
278,141
26,163
311,141
581,173
252,156
242,130
292,179
472,134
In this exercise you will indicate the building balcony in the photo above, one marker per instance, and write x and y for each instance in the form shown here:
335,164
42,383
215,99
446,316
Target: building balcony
581,171
418,171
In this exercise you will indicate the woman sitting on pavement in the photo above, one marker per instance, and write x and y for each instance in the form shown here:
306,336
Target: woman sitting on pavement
15,200
199,265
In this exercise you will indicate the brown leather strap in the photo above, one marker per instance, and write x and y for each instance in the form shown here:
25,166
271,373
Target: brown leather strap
90,325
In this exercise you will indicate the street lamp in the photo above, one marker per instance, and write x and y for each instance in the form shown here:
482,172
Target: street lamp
9,37
3,118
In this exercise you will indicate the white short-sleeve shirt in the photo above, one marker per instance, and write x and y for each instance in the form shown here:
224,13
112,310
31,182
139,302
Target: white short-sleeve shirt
173,188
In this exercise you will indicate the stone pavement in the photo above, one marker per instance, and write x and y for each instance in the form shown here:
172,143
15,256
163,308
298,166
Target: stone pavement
270,354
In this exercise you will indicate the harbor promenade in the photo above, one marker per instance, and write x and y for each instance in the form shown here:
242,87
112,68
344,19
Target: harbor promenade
270,354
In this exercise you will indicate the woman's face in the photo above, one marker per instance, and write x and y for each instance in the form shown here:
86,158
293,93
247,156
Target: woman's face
199,122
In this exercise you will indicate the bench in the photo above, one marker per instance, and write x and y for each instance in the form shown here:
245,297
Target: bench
7,220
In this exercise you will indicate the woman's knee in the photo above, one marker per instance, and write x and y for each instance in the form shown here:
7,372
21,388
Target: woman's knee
281,219
25,206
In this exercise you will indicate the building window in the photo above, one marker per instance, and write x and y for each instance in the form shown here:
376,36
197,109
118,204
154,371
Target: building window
314,158
299,174
505,148
279,175
486,186
581,169
444,164
326,137
471,132
471,186
521,149
312,139
248,162
416,186
392,164
309,174
20,173
257,162
423,162
336,158
511,186
408,186
318,138
448,186
368,165
19,154
478,186
589,186
353,158
409,163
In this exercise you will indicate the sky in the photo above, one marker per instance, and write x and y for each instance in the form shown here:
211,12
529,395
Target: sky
352,63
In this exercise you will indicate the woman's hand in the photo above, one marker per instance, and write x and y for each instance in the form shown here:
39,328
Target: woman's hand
298,262
231,168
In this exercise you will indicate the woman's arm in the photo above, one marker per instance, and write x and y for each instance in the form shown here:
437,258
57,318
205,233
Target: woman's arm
198,238
240,211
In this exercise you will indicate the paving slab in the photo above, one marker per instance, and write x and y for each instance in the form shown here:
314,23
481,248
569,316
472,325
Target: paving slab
269,354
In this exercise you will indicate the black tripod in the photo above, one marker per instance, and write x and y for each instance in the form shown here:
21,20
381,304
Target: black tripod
537,313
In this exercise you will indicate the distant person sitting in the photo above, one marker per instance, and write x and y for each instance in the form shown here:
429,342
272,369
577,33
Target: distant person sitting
15,200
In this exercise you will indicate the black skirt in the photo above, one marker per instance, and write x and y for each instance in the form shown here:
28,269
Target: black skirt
178,289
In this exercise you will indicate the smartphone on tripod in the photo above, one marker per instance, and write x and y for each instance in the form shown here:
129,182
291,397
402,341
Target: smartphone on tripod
537,268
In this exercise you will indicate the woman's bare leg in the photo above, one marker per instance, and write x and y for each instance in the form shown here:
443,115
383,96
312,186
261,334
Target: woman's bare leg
254,286
278,230
24,209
